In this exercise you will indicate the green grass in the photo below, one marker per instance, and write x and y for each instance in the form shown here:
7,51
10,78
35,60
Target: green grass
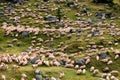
70,74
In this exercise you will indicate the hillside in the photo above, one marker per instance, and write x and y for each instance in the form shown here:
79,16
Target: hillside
52,35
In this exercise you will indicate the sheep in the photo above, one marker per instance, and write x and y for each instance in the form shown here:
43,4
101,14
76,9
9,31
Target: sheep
76,66
92,68
87,61
97,58
56,63
104,75
113,78
79,71
3,66
12,79
62,74
23,76
106,69
104,60
83,67
46,63
3,77
95,72
15,67
109,62
53,78
34,66
33,79
83,71
114,73
116,56
69,65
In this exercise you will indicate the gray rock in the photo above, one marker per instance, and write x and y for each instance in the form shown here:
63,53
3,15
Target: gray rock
1,14
25,34
34,60
80,61
59,24
50,18
38,77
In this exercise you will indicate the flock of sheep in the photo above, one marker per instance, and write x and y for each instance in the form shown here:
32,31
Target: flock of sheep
46,57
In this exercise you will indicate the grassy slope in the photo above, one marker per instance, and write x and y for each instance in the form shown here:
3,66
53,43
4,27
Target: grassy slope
70,73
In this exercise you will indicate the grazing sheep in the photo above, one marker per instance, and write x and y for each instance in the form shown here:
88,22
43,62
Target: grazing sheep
104,75
109,62
34,66
104,60
106,69
79,71
15,67
23,76
53,78
114,73
87,61
92,68
84,71
69,65
12,79
97,58
113,78
3,77
95,72
33,79
116,56
83,67
46,63
76,66
62,74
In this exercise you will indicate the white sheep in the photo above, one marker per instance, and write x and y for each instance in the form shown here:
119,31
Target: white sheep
62,74
83,67
97,58
53,78
84,71
116,56
3,77
92,68
79,71
109,62
87,61
114,73
76,66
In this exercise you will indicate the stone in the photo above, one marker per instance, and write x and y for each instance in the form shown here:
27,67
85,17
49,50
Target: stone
34,60
71,5
38,77
80,61
25,34
50,18
103,54
60,24
1,14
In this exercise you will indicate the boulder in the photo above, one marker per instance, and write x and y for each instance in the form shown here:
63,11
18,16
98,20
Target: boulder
50,18
38,77
80,62
1,14
34,60
25,34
